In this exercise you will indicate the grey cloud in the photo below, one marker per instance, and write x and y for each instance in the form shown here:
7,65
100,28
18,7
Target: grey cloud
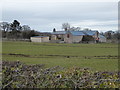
45,15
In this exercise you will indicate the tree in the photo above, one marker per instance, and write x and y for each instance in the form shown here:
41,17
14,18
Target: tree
66,26
108,35
117,35
26,34
26,27
54,30
4,26
87,29
15,25
78,28
3,33
74,29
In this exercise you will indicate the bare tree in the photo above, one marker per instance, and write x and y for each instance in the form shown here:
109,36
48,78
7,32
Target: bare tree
26,27
86,29
4,26
66,26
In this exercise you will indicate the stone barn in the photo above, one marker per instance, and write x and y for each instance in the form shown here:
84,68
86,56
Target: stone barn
58,36
88,36
94,34
40,39
74,37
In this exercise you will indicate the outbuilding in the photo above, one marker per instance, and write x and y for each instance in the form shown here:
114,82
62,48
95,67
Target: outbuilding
102,38
40,39
58,36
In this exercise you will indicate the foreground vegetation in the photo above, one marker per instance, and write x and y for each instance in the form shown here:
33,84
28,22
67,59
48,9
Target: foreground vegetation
95,56
19,75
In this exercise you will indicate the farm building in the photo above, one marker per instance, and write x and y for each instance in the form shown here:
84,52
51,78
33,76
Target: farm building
40,39
85,36
74,36
58,36
90,36
102,38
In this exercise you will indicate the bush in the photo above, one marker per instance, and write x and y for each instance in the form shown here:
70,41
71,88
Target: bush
19,75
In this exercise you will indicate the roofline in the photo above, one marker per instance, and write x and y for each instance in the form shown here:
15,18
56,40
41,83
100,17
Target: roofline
40,36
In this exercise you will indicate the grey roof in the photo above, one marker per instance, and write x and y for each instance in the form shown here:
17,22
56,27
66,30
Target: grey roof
101,36
40,36
59,32
91,33
77,33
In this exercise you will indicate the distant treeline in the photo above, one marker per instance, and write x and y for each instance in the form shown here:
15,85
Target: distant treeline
15,31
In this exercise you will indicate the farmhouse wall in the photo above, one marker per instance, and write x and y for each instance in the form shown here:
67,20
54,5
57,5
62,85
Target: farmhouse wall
53,37
68,39
77,39
44,39
40,39
72,39
102,39
33,39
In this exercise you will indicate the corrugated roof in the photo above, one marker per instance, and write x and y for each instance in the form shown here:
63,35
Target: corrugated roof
77,33
59,32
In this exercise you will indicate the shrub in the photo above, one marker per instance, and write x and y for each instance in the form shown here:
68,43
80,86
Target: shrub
19,75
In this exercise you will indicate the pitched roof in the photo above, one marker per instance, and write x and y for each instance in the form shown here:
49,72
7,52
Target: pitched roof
77,33
40,36
90,32
101,36
59,32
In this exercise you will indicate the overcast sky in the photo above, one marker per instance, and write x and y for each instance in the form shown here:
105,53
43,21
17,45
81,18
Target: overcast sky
44,15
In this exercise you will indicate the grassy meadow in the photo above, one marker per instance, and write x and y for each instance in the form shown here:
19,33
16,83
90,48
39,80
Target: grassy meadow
95,56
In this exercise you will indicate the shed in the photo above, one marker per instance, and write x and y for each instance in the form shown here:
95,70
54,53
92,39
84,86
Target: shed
40,39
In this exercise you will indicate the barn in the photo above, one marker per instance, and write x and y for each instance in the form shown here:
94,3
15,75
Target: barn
88,36
74,37
58,36
40,39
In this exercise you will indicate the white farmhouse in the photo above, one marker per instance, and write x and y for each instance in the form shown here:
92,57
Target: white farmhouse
40,39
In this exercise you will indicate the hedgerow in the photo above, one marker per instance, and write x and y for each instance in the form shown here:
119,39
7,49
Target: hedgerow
19,75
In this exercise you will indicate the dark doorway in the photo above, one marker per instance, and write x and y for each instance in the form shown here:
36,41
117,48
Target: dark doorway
87,38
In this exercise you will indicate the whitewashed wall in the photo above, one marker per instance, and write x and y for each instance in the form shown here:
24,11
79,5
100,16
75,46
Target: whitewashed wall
102,39
45,39
77,39
34,39
72,39
40,39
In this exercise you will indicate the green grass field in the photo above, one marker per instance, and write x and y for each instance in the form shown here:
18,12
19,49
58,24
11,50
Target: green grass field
94,56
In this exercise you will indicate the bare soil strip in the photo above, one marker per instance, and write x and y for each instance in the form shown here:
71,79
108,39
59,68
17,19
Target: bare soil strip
73,46
63,56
